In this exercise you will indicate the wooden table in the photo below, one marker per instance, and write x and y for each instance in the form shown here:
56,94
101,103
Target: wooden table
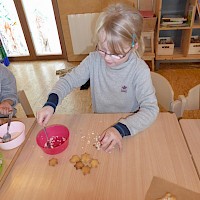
10,156
191,130
158,151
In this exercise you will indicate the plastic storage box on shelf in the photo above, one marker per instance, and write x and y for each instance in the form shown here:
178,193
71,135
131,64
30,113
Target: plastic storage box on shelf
165,46
194,45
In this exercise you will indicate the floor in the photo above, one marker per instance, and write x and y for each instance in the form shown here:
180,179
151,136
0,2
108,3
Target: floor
37,79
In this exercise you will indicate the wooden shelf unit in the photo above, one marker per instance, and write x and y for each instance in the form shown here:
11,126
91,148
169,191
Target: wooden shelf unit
149,54
181,50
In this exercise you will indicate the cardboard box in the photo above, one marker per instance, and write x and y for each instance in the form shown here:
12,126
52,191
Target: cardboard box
159,188
165,46
194,47
149,24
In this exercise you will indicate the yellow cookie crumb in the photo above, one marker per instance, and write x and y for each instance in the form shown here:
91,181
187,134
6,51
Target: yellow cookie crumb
79,165
168,196
74,159
53,162
94,163
86,158
86,170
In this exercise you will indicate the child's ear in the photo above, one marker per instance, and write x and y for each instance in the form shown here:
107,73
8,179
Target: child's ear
136,45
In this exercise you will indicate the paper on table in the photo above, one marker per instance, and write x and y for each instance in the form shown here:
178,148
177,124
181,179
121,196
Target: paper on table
159,187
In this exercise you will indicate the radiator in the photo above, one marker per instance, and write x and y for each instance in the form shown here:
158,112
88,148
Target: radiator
82,28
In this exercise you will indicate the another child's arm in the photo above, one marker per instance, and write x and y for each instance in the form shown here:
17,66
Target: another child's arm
8,89
6,107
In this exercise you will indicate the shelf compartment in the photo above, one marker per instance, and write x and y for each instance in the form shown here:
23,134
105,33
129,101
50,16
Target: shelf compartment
180,34
165,46
194,47
174,28
177,55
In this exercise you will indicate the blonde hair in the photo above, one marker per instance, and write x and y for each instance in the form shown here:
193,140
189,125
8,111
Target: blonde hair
122,25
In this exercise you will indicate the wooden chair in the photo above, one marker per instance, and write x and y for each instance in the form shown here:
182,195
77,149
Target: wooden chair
192,100
23,100
165,95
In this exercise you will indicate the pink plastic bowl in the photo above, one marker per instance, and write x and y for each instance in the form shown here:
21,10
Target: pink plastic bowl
17,131
53,130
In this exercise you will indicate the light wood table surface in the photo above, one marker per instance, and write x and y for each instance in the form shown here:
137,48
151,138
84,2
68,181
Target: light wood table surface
191,130
159,151
10,156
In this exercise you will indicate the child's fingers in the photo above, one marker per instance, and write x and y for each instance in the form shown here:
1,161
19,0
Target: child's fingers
45,120
40,118
110,146
4,111
8,111
105,142
102,136
119,143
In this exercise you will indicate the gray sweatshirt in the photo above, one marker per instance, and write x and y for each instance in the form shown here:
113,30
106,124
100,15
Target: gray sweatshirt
8,89
126,88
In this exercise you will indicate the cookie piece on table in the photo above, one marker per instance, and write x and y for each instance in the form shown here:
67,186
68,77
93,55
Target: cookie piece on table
53,162
79,165
86,170
94,163
86,158
74,159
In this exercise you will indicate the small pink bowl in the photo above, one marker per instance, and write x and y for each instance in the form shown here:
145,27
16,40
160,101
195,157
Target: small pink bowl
17,131
53,130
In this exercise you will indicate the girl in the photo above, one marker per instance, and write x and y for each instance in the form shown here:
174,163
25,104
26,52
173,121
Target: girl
120,81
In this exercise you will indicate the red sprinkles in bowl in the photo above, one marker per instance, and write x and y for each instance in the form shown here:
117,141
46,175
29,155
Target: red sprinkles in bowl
55,141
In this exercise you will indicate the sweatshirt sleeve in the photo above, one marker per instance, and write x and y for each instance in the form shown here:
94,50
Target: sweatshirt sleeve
77,77
148,107
8,86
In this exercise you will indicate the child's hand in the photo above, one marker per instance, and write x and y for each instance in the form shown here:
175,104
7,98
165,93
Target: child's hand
5,107
109,138
44,115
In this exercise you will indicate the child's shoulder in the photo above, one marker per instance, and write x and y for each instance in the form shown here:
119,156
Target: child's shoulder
94,54
141,65
92,59
4,71
3,68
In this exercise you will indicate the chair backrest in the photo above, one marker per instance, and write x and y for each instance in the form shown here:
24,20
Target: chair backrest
192,100
23,100
165,94
164,91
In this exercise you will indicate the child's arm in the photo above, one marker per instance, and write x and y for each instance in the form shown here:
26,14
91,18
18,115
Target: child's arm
148,107
77,77
136,122
8,87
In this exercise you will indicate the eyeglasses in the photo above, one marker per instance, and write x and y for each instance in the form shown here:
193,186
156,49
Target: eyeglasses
113,56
